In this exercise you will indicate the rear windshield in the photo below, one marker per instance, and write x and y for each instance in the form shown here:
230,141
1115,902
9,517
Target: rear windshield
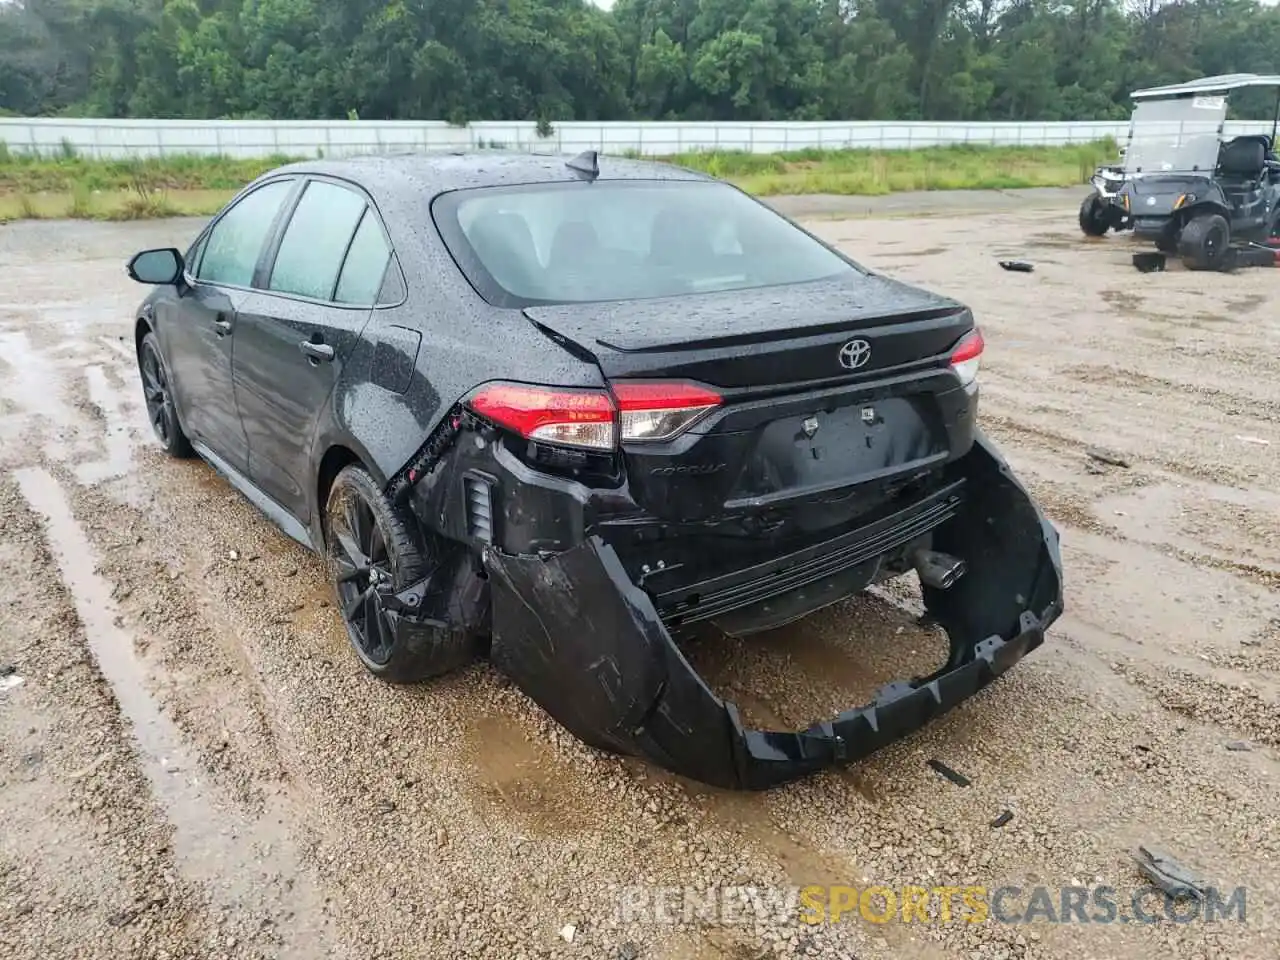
623,240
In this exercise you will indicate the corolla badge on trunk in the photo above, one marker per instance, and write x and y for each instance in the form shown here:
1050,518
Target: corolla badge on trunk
855,354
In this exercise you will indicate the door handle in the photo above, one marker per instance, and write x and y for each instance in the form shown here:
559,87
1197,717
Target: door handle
316,351
221,325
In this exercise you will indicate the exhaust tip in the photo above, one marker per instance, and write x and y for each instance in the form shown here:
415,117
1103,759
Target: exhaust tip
938,570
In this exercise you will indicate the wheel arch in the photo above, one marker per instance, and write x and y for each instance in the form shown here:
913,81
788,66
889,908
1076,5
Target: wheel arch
141,327
335,459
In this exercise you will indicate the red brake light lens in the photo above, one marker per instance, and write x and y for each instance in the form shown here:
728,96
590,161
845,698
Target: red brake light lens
966,358
638,411
574,418
654,411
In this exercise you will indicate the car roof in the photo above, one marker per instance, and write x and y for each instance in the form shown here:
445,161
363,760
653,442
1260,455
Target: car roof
431,174
1223,83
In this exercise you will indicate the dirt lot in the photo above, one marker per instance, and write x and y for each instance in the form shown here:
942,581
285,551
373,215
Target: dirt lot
194,765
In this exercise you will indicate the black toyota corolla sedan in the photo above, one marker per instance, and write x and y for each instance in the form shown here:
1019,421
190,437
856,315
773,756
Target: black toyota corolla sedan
567,412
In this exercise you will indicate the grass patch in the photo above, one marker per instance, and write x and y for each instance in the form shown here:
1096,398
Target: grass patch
66,171
879,172
112,205
64,184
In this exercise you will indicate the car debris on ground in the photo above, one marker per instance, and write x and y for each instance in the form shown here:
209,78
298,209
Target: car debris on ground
1107,457
1169,874
959,779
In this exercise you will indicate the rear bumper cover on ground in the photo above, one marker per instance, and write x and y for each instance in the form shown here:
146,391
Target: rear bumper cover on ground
576,634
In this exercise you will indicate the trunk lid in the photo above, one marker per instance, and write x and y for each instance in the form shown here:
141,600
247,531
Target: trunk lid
760,338
805,418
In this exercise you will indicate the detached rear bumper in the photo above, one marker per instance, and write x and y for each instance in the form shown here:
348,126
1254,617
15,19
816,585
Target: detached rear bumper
586,643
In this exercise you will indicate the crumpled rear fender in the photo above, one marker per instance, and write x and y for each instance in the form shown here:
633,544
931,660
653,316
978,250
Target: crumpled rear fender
574,632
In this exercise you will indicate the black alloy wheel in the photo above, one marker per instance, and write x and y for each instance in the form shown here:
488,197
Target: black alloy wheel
362,564
374,549
161,412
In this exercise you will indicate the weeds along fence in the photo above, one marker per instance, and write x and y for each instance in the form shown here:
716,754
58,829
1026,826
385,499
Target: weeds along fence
119,139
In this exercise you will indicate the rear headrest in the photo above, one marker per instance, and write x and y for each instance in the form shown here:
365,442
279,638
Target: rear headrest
505,244
575,240
1243,157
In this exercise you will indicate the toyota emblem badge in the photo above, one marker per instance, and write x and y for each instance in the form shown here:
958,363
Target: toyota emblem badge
855,354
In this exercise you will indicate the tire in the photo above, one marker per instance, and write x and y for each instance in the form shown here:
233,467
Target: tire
361,524
157,394
1205,242
1095,219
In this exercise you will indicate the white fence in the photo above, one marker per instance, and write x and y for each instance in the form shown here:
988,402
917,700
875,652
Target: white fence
255,138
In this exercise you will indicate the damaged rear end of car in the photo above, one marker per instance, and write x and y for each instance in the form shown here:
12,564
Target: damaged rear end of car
751,453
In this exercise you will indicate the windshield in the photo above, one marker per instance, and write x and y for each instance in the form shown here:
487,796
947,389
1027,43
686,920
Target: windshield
623,240
1175,136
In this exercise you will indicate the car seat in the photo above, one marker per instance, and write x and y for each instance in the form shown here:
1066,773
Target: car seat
504,244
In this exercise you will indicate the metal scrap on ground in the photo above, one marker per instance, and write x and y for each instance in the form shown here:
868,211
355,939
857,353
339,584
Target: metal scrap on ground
1168,874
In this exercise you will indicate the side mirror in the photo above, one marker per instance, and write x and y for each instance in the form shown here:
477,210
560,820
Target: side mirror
156,266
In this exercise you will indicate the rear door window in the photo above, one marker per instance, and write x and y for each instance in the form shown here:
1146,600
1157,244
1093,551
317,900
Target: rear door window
316,241
366,264
235,243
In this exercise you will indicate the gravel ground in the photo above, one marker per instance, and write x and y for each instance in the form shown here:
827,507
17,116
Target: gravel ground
194,765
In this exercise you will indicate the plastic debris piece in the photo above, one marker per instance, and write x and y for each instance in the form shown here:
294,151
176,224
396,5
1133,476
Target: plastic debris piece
1104,456
959,779
1168,874
10,682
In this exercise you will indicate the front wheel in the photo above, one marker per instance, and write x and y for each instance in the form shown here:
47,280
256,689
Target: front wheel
1204,242
372,546
1095,218
158,395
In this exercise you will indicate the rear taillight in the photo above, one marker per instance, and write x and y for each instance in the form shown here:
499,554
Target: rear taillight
966,358
655,411
574,418
637,411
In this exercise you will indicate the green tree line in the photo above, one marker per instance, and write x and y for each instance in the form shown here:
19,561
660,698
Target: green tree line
550,60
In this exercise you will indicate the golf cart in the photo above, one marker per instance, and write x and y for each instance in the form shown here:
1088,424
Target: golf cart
1102,210
1211,199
